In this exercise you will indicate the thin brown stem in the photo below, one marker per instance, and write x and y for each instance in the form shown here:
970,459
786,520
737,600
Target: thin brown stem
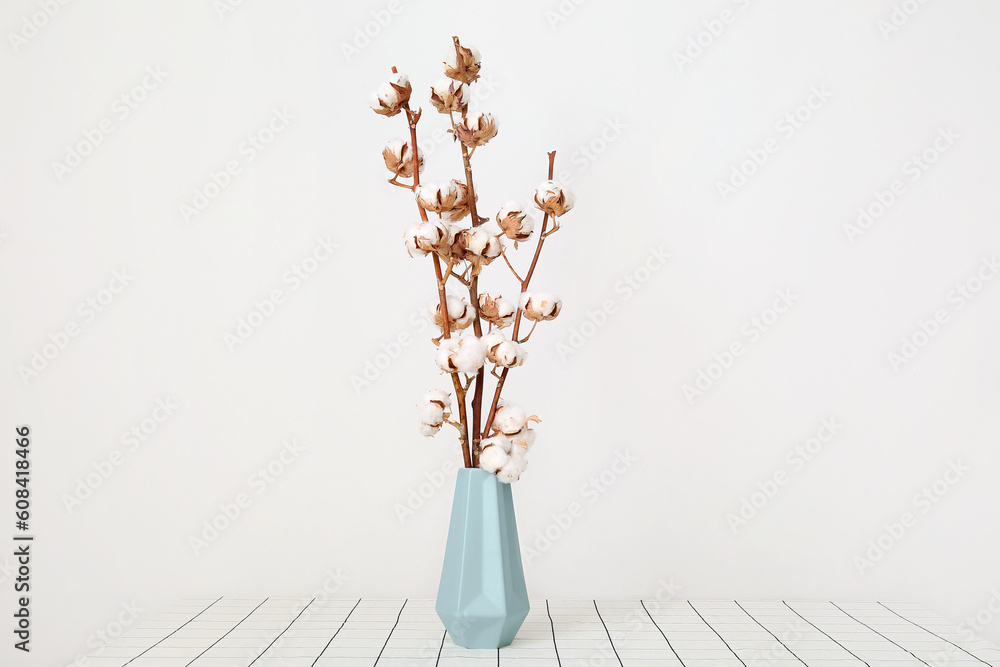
509,265
525,339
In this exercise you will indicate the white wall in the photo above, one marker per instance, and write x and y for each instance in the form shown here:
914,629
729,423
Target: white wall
675,131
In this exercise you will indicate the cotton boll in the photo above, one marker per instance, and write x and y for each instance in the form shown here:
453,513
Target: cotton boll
460,313
476,129
516,224
509,418
398,157
448,96
431,413
430,236
390,97
509,354
492,458
439,396
501,441
553,198
462,63
470,356
540,306
446,350
496,310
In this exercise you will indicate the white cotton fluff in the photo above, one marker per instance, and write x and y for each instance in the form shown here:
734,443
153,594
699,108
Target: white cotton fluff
395,146
445,88
549,190
539,306
491,342
438,396
471,355
510,354
387,94
431,414
510,207
480,242
510,418
460,313
523,439
412,237
501,441
465,355
428,430
426,236
512,470
493,458
399,79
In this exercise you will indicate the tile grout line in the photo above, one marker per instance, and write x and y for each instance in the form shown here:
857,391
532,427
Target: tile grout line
881,635
825,633
174,631
553,626
657,626
301,611
391,630
440,648
935,634
717,634
336,633
770,633
228,631
609,634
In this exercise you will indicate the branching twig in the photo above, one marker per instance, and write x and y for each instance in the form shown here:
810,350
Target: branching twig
412,118
517,318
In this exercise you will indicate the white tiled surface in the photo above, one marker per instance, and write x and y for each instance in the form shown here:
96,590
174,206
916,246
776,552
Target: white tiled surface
300,633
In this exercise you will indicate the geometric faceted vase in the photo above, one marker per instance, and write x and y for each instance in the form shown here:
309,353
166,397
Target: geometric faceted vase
482,600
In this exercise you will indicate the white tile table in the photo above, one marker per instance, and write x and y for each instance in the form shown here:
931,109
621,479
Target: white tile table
277,632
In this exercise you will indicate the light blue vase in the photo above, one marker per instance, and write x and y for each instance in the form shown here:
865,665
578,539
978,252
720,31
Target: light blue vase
482,600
